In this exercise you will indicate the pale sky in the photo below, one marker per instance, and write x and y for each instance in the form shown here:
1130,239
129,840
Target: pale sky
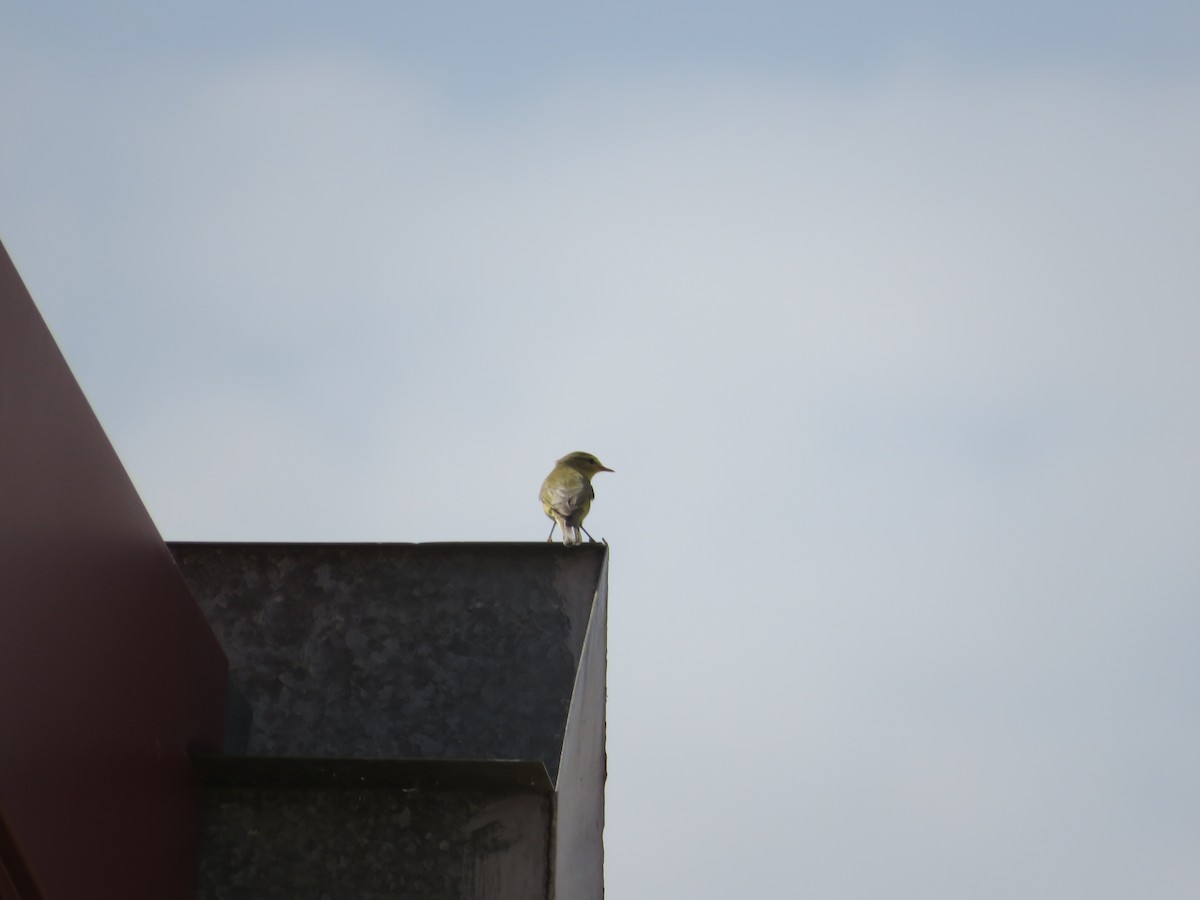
885,315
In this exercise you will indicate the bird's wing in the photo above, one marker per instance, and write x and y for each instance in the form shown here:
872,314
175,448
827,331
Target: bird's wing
566,495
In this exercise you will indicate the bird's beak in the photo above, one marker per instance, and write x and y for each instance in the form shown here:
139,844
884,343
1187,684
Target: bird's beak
606,469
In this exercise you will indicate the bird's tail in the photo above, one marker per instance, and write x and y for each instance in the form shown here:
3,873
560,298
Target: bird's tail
571,535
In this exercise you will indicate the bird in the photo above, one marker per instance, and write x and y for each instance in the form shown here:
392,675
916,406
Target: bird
567,494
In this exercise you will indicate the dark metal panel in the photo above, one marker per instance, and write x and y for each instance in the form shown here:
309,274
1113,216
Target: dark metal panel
404,659
578,832
480,775
453,651
16,878
373,844
108,669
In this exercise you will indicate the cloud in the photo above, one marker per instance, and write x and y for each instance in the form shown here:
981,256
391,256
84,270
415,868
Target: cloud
898,381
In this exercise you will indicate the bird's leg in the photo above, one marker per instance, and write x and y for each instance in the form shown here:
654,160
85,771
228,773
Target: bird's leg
590,538
553,525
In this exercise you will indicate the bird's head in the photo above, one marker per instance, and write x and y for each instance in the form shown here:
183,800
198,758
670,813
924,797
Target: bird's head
586,463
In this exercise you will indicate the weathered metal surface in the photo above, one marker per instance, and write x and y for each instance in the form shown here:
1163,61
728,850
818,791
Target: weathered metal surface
108,669
485,775
372,844
454,651
578,835
449,671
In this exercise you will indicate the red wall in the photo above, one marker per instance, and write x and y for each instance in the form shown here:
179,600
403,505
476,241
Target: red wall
108,671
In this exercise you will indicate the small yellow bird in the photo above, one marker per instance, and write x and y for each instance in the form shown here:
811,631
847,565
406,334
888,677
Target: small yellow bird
567,495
